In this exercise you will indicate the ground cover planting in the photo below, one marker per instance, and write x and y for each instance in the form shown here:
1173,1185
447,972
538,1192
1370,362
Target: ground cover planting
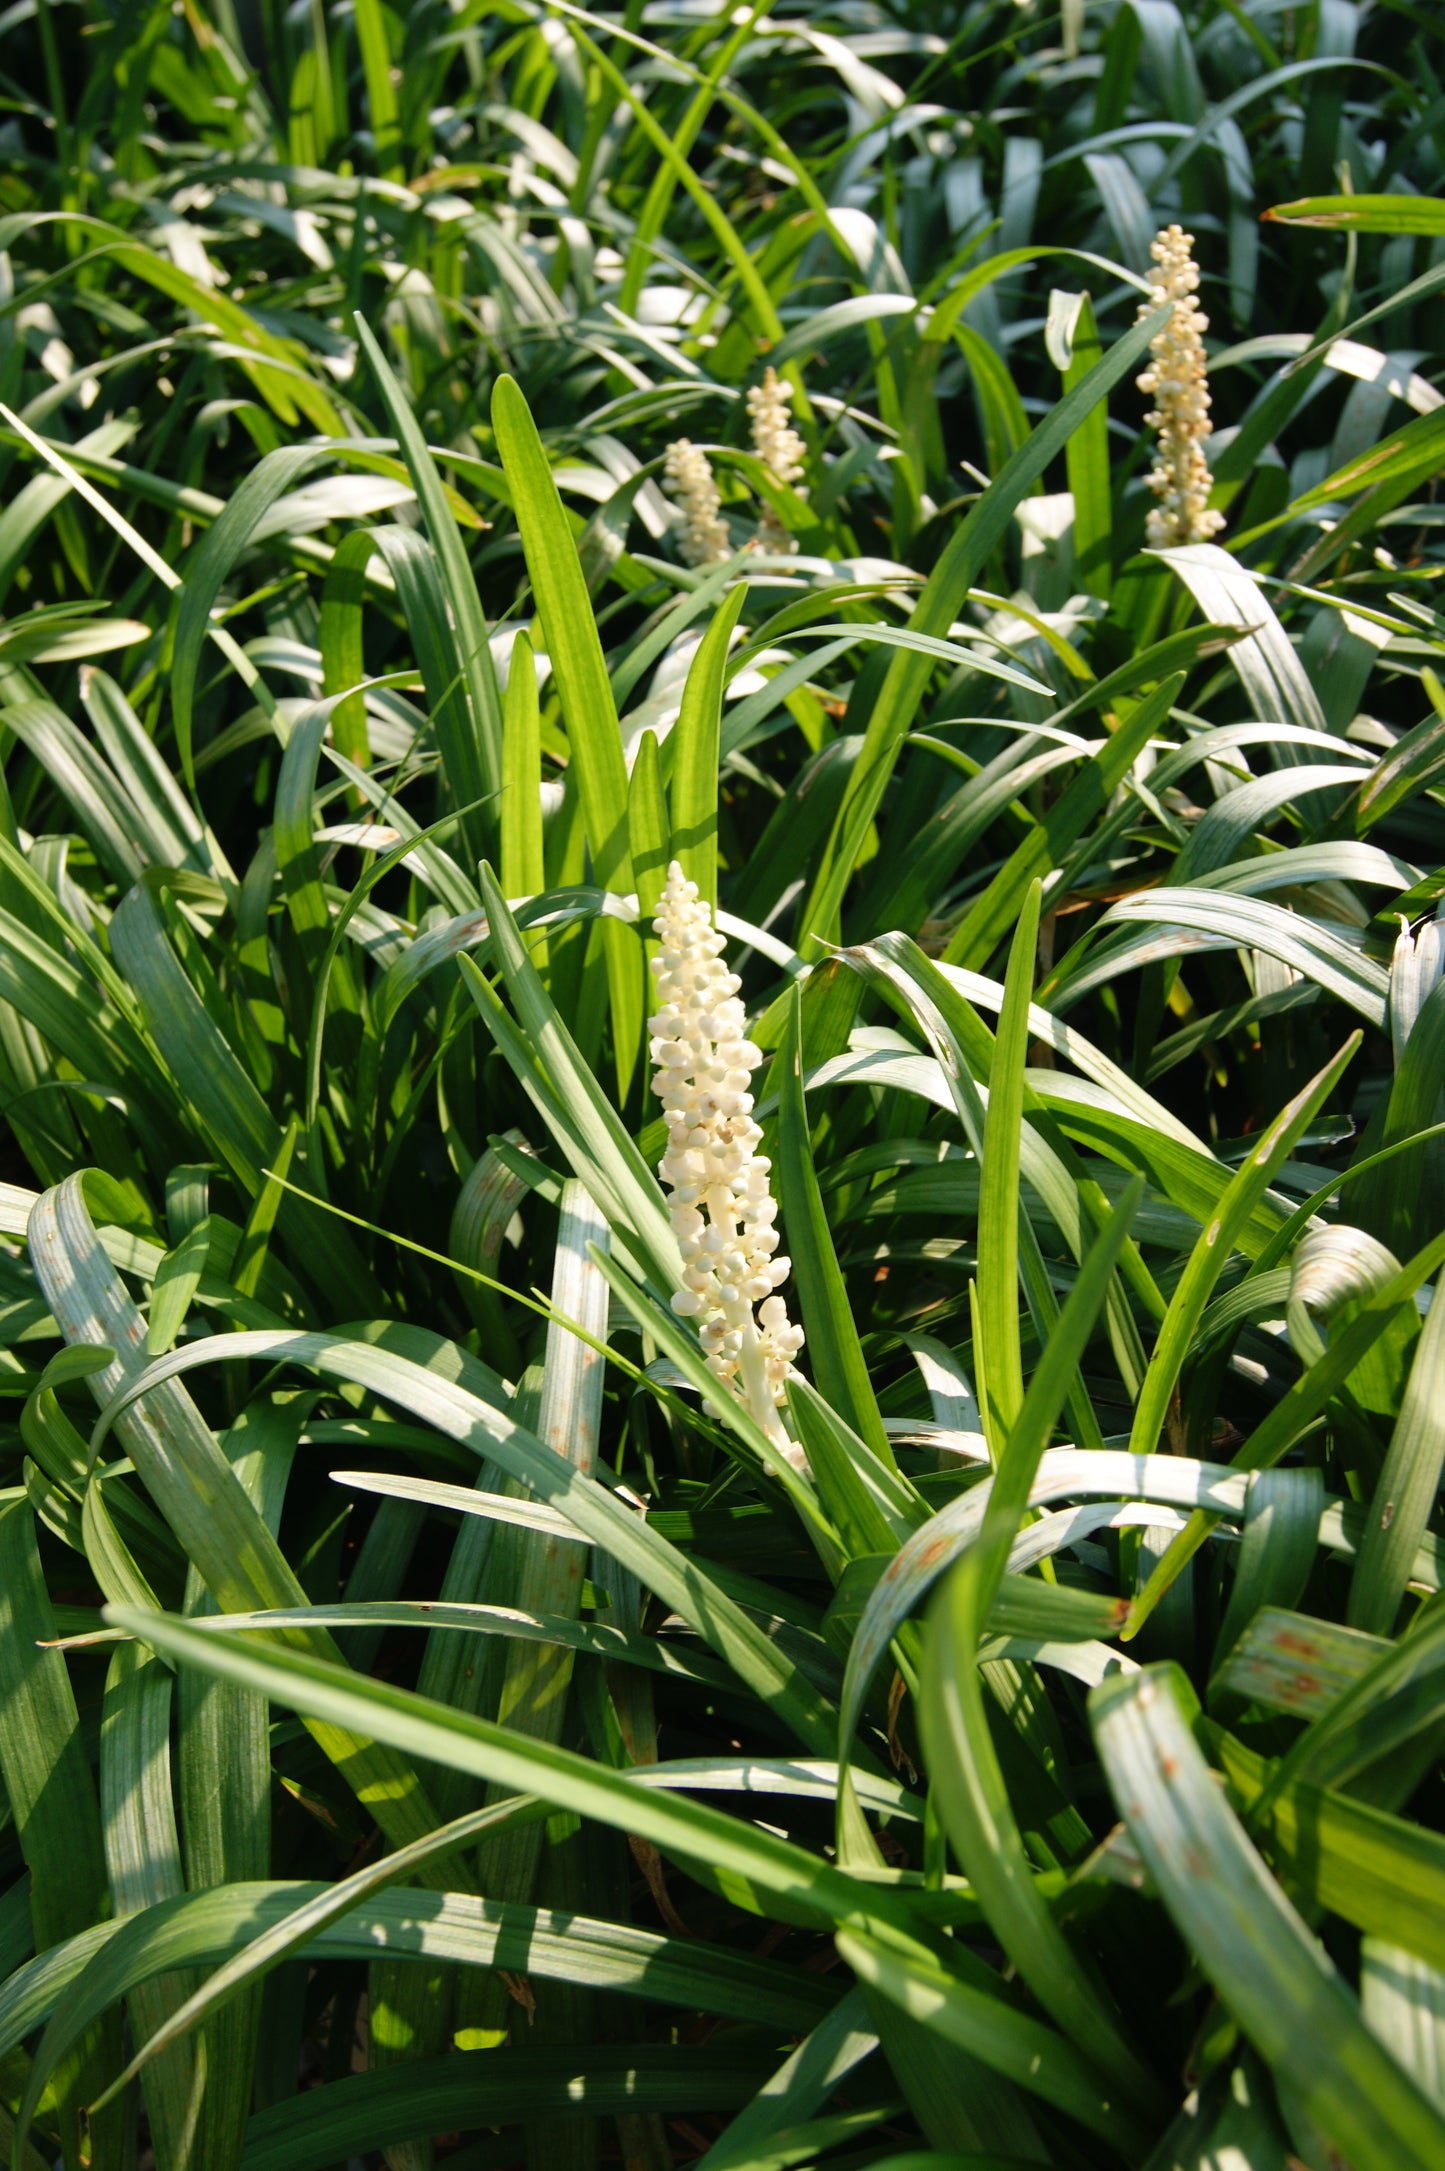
722,1057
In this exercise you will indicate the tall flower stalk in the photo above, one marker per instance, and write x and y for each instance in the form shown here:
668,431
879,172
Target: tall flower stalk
722,1210
779,447
1178,379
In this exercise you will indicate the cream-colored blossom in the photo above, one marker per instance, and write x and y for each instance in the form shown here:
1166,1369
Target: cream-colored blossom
1177,379
779,447
688,474
723,1213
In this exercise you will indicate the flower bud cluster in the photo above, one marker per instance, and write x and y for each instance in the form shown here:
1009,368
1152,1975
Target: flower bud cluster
779,447
1177,379
723,1214
704,539
688,473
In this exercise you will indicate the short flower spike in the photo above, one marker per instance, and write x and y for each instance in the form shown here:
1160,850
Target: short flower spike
1176,376
779,447
688,473
723,1214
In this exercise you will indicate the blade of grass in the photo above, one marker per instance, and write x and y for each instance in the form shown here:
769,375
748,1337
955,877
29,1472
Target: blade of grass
835,1352
971,1789
547,1061
1273,1976
143,1855
52,1799
695,740
1406,1489
1212,1252
1300,1404
186,1474
463,601
521,863
958,570
998,1205
986,921
575,650
456,1412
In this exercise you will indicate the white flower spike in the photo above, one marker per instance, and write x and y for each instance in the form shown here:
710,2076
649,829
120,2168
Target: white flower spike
722,1212
688,474
779,447
1177,378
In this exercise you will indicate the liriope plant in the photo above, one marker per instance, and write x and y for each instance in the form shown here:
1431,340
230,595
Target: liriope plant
1017,1742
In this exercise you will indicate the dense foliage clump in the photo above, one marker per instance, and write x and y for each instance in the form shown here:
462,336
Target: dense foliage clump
722,1032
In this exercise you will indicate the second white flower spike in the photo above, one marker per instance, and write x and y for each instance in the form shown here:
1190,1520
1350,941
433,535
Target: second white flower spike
779,447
